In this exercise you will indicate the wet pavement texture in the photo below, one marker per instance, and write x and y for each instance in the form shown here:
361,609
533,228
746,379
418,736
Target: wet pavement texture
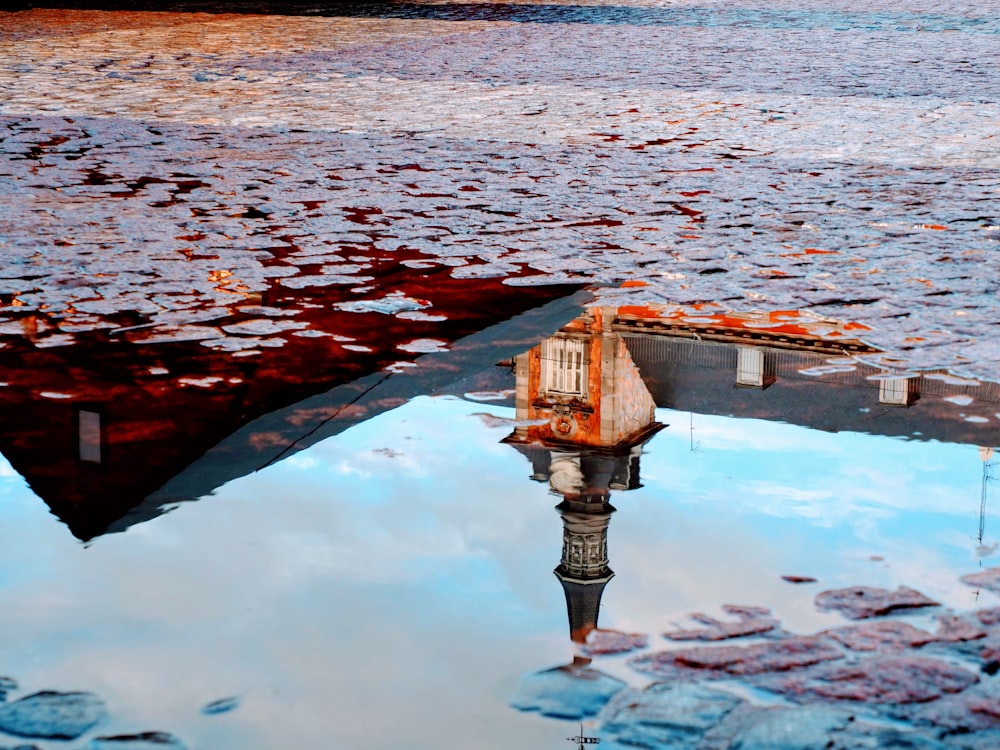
730,154
751,247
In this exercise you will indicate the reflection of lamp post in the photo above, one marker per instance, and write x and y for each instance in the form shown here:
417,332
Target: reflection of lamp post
986,456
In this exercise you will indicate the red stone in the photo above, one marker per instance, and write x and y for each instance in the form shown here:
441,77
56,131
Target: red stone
604,642
760,658
860,602
880,635
988,579
750,621
889,679
954,629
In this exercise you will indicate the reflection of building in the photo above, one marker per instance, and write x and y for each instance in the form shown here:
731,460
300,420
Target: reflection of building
583,383
111,430
585,406
791,367
583,414
586,400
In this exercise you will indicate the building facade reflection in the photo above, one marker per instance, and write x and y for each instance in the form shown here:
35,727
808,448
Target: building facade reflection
586,401
584,414
109,433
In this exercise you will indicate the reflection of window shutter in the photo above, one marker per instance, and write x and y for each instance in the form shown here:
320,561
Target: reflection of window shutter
563,363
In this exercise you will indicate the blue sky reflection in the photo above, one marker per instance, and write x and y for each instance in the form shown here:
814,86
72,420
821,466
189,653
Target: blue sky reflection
388,586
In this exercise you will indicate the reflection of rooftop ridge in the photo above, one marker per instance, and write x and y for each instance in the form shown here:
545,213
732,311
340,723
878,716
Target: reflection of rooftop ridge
780,330
108,439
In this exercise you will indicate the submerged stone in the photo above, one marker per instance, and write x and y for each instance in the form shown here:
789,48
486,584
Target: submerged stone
890,679
987,740
665,715
988,579
778,728
760,658
956,629
960,714
569,692
749,621
879,636
989,617
143,741
861,602
864,736
52,715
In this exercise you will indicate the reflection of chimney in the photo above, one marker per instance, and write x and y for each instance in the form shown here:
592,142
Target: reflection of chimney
583,569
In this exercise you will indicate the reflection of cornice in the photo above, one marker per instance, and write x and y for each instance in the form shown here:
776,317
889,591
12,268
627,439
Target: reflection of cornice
760,337
584,582
620,448
570,403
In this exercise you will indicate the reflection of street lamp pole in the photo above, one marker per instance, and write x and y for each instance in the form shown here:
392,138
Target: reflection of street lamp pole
985,454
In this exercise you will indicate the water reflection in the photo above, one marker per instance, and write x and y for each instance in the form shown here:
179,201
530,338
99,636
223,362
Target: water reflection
584,407
113,429
584,415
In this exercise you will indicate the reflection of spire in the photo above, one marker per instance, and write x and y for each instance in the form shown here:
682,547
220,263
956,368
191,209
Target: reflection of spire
583,569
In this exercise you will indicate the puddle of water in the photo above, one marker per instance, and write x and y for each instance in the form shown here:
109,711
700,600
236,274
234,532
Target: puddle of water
311,439
371,549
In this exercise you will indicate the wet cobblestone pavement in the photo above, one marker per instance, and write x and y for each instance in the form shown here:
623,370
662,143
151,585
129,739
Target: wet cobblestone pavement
828,158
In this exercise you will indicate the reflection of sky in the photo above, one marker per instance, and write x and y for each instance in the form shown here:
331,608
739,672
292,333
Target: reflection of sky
387,587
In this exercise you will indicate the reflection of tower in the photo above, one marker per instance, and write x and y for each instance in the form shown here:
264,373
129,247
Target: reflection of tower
583,569
584,414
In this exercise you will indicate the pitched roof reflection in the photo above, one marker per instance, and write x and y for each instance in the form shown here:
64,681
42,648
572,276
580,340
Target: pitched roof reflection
110,432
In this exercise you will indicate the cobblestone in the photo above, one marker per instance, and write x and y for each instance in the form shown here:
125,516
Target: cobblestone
704,151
